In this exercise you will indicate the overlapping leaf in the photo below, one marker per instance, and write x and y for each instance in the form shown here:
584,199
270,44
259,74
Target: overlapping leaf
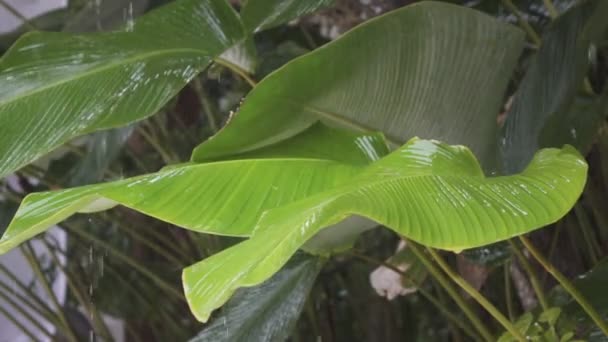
205,197
427,70
267,312
429,192
264,14
56,86
546,110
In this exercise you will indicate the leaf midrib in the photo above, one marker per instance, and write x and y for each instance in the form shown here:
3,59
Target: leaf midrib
102,68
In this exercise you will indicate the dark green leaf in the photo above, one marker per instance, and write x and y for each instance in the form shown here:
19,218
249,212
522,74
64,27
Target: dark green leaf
547,94
429,69
56,86
267,312
264,14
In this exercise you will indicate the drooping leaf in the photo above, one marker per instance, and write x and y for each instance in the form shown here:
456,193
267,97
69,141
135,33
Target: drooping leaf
260,15
56,86
204,197
429,192
267,312
546,99
427,70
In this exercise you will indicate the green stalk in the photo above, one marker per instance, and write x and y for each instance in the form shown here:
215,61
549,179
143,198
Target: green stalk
18,324
41,306
534,37
129,261
75,286
567,285
444,282
28,252
551,9
237,70
7,298
18,14
508,292
583,220
531,275
476,295
205,105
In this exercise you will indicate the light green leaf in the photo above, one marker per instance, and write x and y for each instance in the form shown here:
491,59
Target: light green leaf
56,86
432,193
267,312
260,15
429,69
546,110
204,197
322,142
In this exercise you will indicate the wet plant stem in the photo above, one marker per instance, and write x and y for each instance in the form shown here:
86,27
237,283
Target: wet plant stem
128,260
531,274
491,309
534,37
451,290
566,284
508,291
237,70
76,287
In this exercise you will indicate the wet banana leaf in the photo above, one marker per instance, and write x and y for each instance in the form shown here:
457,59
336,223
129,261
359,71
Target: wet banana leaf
426,70
204,197
56,86
429,192
260,15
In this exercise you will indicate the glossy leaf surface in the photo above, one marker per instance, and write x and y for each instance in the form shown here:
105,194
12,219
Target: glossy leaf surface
264,14
56,86
267,312
204,197
426,70
546,110
432,193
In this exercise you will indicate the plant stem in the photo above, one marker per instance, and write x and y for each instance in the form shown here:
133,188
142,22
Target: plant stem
206,106
476,295
12,319
567,285
551,9
426,294
29,254
587,231
129,261
508,293
75,286
18,14
444,282
534,37
237,70
531,275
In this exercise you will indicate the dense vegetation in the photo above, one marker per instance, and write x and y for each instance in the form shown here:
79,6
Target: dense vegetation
225,163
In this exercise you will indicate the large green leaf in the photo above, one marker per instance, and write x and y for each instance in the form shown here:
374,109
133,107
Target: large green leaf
432,193
56,86
546,110
204,197
267,312
429,69
264,14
